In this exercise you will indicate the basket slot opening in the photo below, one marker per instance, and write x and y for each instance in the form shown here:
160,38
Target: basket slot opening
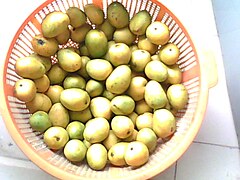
170,22
55,6
165,18
25,130
190,66
24,46
177,37
33,134
69,4
189,58
137,7
38,18
75,3
45,10
132,8
185,56
13,78
11,75
35,26
17,105
154,12
30,32
33,139
27,43
18,50
50,8
18,110
149,5
185,48
11,67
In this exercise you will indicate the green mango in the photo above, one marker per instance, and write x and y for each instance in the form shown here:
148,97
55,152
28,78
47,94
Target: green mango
117,15
94,13
139,22
96,43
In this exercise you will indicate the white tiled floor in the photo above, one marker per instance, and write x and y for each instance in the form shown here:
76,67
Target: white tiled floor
207,161
214,154
227,15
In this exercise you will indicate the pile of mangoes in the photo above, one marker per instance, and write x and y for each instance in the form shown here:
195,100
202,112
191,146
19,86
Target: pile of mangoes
112,95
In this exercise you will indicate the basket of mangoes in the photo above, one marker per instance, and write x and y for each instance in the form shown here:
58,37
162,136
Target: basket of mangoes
103,89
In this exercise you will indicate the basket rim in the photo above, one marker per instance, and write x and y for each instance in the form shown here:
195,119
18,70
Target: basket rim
147,173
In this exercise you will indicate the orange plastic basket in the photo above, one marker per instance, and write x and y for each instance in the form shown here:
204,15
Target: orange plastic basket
189,120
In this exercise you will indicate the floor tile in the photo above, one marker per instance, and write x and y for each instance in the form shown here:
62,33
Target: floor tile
168,174
7,146
12,169
230,48
218,126
236,5
208,162
203,18
227,20
227,15
223,4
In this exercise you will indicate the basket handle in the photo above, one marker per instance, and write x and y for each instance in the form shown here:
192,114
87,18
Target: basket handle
209,67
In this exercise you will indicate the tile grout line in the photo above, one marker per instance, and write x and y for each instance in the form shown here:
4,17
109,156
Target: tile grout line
212,144
17,158
18,163
175,171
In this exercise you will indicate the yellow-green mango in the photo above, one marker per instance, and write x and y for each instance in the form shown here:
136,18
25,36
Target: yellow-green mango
154,95
119,80
58,115
75,99
55,23
29,67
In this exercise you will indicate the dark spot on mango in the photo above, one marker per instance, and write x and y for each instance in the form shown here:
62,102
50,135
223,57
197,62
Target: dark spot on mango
57,138
41,42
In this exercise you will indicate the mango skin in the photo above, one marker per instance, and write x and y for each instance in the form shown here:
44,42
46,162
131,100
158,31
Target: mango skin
178,96
96,130
154,95
122,105
75,99
164,123
99,69
77,16
96,156
140,22
29,67
69,60
94,13
119,80
117,15
96,43
40,102
44,46
54,24
58,115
